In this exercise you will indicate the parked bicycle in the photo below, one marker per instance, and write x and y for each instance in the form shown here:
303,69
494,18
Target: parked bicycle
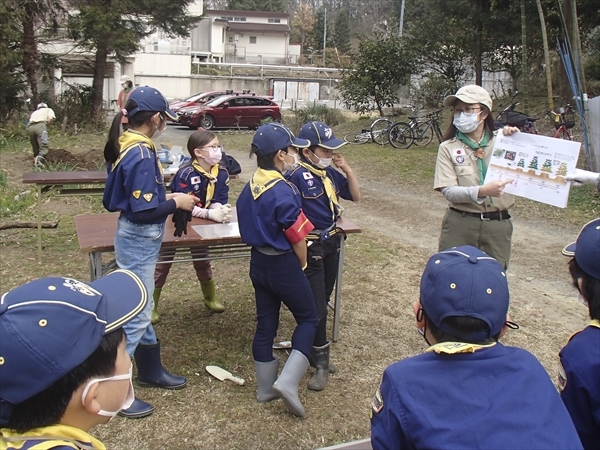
418,131
510,116
563,121
378,133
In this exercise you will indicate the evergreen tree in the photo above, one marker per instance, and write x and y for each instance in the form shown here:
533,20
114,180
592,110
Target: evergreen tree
316,37
341,35
547,166
562,169
258,5
534,163
521,163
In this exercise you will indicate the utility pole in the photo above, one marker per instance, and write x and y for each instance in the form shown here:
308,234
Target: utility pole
401,22
324,35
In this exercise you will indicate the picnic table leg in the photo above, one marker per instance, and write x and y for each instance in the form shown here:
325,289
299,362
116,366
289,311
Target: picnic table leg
39,222
95,265
338,294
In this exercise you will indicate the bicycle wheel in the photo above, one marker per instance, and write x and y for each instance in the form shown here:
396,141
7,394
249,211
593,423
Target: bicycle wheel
379,131
357,138
400,135
423,134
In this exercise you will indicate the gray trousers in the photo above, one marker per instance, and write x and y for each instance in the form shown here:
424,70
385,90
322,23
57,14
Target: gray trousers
38,136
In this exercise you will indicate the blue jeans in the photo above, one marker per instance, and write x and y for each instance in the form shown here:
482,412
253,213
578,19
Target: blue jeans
136,249
276,280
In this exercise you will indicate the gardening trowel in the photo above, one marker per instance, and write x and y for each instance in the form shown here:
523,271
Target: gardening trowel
221,375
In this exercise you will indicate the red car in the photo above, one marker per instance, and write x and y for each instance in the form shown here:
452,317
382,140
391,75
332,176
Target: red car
231,111
201,98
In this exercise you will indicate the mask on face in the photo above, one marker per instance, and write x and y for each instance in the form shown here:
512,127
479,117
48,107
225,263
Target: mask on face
581,298
322,163
128,400
124,85
466,123
160,131
289,167
214,155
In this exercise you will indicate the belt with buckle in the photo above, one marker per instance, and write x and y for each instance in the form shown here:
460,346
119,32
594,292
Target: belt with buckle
318,235
495,215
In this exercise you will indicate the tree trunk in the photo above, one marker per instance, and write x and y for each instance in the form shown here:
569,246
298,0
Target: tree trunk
565,88
98,83
478,51
525,70
30,53
546,54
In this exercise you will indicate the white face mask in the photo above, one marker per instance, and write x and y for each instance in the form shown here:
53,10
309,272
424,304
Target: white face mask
289,167
214,155
128,400
466,123
322,163
124,85
581,298
160,131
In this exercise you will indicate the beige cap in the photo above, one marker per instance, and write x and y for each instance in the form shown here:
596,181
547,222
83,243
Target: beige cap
470,94
125,78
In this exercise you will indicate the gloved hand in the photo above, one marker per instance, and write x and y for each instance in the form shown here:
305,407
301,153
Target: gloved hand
180,219
221,214
581,177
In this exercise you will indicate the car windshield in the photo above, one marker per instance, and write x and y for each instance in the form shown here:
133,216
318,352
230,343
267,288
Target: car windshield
193,98
215,101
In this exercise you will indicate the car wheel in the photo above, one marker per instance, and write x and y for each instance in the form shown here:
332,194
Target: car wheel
207,122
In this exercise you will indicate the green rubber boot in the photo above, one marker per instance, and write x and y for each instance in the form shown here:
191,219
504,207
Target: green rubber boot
210,296
155,317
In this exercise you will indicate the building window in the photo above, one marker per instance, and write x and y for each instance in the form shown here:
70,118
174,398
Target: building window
227,18
230,39
253,39
274,20
239,19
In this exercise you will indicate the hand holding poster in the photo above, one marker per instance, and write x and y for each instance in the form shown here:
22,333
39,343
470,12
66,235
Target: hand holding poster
535,164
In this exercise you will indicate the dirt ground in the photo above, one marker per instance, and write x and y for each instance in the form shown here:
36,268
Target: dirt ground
401,224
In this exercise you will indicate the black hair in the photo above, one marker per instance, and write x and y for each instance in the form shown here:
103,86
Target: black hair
462,325
590,287
199,139
265,161
489,125
49,406
112,148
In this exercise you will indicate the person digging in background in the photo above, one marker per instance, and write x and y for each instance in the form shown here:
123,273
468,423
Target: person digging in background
63,364
467,390
37,130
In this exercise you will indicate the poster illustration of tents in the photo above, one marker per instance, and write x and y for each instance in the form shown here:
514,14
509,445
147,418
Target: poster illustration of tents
536,165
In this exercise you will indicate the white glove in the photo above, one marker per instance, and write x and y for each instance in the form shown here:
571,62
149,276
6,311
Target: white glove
221,214
581,177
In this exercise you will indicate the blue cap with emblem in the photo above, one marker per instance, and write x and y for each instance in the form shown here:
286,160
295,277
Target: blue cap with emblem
321,134
149,99
272,137
465,282
50,326
586,249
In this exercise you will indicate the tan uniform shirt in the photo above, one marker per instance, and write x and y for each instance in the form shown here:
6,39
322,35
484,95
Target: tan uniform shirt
456,165
42,115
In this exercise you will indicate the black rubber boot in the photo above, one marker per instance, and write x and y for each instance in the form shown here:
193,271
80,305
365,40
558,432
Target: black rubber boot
321,359
311,360
151,372
137,410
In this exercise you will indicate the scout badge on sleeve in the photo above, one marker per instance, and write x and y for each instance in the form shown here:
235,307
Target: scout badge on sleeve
221,375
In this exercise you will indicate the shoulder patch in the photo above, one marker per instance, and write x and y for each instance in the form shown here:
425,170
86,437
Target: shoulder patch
377,404
562,377
148,197
136,194
307,175
195,180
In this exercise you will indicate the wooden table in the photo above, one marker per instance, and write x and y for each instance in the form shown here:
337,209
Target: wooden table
96,234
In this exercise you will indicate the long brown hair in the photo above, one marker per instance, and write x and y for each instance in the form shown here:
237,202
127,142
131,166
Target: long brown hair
489,125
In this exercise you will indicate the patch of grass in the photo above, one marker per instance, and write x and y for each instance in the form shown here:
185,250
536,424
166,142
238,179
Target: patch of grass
14,201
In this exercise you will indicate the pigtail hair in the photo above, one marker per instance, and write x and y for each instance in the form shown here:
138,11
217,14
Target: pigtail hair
112,148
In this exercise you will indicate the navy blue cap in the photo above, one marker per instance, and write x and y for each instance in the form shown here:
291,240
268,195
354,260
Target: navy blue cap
321,134
150,99
465,282
274,136
586,249
52,325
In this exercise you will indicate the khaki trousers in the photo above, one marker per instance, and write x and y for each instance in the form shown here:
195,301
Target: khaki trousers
38,136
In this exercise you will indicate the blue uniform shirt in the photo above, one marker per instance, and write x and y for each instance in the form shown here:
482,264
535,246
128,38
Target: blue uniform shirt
187,179
136,183
315,202
262,221
579,382
495,398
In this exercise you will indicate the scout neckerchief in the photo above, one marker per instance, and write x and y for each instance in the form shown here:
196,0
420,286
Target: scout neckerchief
212,180
477,148
328,185
263,180
452,348
130,139
595,323
47,438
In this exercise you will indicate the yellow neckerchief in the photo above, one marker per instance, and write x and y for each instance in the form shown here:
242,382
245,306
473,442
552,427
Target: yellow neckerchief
452,348
595,323
212,178
328,185
130,139
51,437
263,180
